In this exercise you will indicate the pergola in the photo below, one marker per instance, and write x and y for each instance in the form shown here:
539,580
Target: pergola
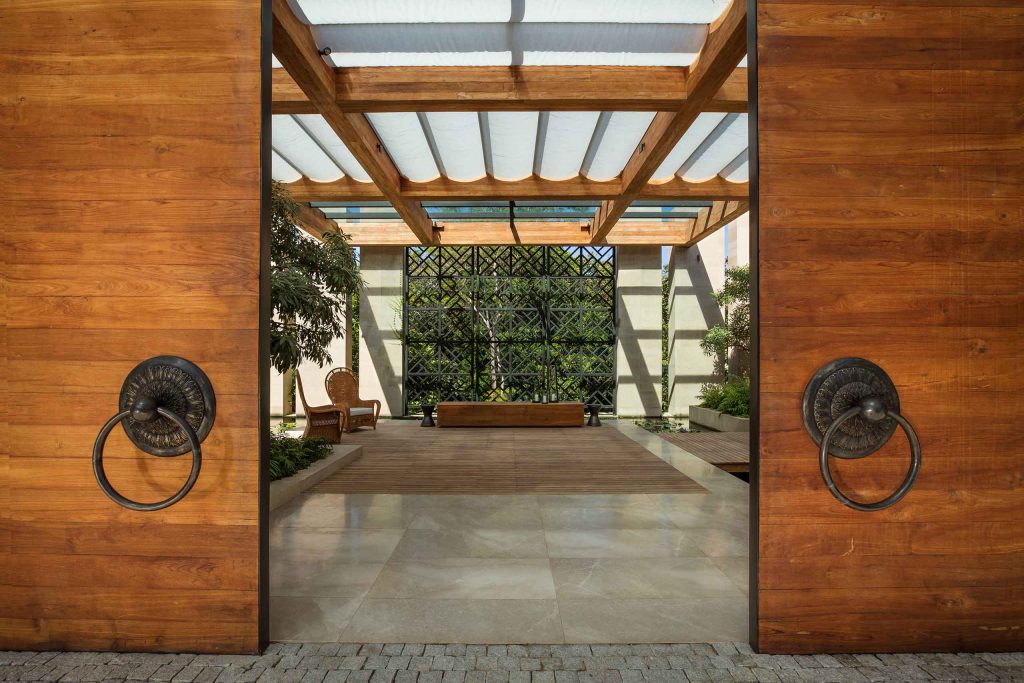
392,114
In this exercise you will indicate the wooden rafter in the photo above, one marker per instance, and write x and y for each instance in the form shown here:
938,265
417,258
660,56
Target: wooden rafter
716,216
313,221
348,190
296,50
523,88
396,233
722,51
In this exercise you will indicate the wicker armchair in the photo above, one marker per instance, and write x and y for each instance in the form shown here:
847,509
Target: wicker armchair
343,388
325,422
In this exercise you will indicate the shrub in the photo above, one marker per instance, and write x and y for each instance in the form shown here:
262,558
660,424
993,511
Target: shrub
731,398
289,455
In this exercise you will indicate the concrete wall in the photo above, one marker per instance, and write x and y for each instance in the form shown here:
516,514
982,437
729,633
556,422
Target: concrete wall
695,273
380,327
638,344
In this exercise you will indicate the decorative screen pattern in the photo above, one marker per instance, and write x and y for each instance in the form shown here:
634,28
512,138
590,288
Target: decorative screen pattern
509,323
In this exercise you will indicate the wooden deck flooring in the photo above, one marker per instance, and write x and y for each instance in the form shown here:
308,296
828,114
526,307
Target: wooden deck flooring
401,457
729,451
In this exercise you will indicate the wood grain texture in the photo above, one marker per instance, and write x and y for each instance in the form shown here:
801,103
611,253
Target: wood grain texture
348,190
401,457
890,226
130,145
508,414
504,88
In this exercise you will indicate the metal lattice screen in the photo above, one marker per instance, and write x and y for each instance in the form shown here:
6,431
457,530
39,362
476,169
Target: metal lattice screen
509,323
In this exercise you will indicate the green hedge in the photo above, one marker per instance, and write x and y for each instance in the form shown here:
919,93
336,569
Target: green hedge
731,398
288,455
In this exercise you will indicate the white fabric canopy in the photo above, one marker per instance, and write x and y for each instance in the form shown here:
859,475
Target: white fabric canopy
466,146
510,32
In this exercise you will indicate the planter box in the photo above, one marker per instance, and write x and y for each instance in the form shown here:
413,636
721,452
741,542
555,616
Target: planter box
720,422
284,490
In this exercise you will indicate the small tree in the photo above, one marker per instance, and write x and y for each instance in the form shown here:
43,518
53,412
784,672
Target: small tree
734,335
309,280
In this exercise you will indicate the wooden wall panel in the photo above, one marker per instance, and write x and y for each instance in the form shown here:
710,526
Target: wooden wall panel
891,176
130,161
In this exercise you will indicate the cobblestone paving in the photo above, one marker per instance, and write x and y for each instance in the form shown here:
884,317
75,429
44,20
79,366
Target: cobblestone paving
452,663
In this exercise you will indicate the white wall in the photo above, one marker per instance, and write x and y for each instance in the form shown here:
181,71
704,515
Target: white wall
638,337
380,327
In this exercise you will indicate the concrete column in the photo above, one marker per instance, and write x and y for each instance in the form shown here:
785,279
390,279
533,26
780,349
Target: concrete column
738,238
638,339
380,327
695,273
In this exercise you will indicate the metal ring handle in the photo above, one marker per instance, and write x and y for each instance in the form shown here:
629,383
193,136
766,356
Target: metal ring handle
101,476
870,407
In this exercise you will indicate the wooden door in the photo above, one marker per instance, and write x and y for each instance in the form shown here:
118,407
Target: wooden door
130,161
890,183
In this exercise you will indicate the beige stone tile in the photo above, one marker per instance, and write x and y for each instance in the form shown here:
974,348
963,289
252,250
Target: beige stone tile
719,542
460,517
596,500
425,544
341,545
736,568
669,578
310,620
655,621
470,578
605,518
621,543
328,514
455,621
323,578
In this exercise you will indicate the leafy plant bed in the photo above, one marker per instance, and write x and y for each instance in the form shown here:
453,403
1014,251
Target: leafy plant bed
662,425
289,455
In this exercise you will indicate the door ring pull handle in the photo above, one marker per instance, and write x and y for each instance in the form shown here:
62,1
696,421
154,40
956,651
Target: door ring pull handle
873,409
144,409
167,408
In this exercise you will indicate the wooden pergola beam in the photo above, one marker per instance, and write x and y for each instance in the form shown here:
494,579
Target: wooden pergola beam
714,217
296,50
313,221
518,88
480,233
348,190
722,51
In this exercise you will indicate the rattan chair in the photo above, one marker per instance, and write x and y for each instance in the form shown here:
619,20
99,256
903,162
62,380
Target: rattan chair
325,422
343,389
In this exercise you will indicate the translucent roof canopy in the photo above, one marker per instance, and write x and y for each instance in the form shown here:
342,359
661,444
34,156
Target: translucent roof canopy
466,146
510,32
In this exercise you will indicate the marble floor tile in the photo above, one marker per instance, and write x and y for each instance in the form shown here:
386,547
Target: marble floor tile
426,544
621,543
604,518
310,620
318,514
719,542
469,578
457,517
669,578
322,578
341,545
736,568
706,620
455,621
598,500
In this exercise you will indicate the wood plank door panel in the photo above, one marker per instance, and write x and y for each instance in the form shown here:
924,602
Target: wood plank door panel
130,156
890,184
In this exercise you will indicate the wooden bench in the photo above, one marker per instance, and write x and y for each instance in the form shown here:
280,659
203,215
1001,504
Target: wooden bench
509,414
